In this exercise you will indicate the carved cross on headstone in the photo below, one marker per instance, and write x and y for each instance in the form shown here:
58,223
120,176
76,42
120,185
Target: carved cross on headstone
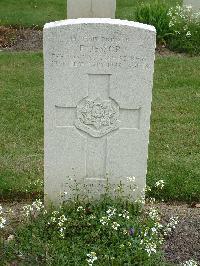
98,116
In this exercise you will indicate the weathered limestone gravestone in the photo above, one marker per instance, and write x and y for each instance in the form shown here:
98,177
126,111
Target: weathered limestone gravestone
91,9
194,3
98,91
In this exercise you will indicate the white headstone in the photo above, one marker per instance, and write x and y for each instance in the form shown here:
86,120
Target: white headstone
98,92
91,9
194,3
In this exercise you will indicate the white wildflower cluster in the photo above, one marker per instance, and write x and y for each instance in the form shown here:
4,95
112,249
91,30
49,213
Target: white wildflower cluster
92,217
190,263
80,208
131,179
148,244
115,225
2,219
147,189
141,199
154,214
124,214
151,200
34,208
60,221
152,236
171,225
180,15
132,186
111,212
150,248
38,183
160,184
104,220
91,257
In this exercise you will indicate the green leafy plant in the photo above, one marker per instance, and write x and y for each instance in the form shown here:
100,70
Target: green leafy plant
185,30
112,230
155,13
178,28
105,232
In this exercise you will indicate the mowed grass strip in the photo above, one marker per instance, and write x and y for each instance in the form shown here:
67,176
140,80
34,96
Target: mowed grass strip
21,131
174,151
35,13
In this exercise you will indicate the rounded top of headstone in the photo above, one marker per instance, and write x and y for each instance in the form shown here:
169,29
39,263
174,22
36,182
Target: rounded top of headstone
99,21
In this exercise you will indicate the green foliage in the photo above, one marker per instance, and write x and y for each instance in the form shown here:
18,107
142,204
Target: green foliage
177,27
107,232
155,13
185,28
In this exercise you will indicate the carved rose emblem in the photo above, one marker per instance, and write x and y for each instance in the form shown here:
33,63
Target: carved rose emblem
97,117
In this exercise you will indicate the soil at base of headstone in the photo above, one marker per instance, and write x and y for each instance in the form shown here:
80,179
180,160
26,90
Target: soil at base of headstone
181,245
15,40
12,39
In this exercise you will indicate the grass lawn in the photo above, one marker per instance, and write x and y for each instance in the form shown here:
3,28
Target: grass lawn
32,13
21,131
174,152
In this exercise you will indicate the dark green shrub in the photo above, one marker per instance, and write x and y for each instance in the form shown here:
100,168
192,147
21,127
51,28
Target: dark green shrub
155,13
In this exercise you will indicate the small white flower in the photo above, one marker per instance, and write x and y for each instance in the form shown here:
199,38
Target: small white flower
147,189
2,222
188,34
153,214
80,208
62,218
125,232
104,220
158,225
55,213
171,225
125,214
92,216
115,225
91,258
171,24
152,200
53,219
154,230
131,178
150,248
190,263
129,244
33,208
160,184
111,212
